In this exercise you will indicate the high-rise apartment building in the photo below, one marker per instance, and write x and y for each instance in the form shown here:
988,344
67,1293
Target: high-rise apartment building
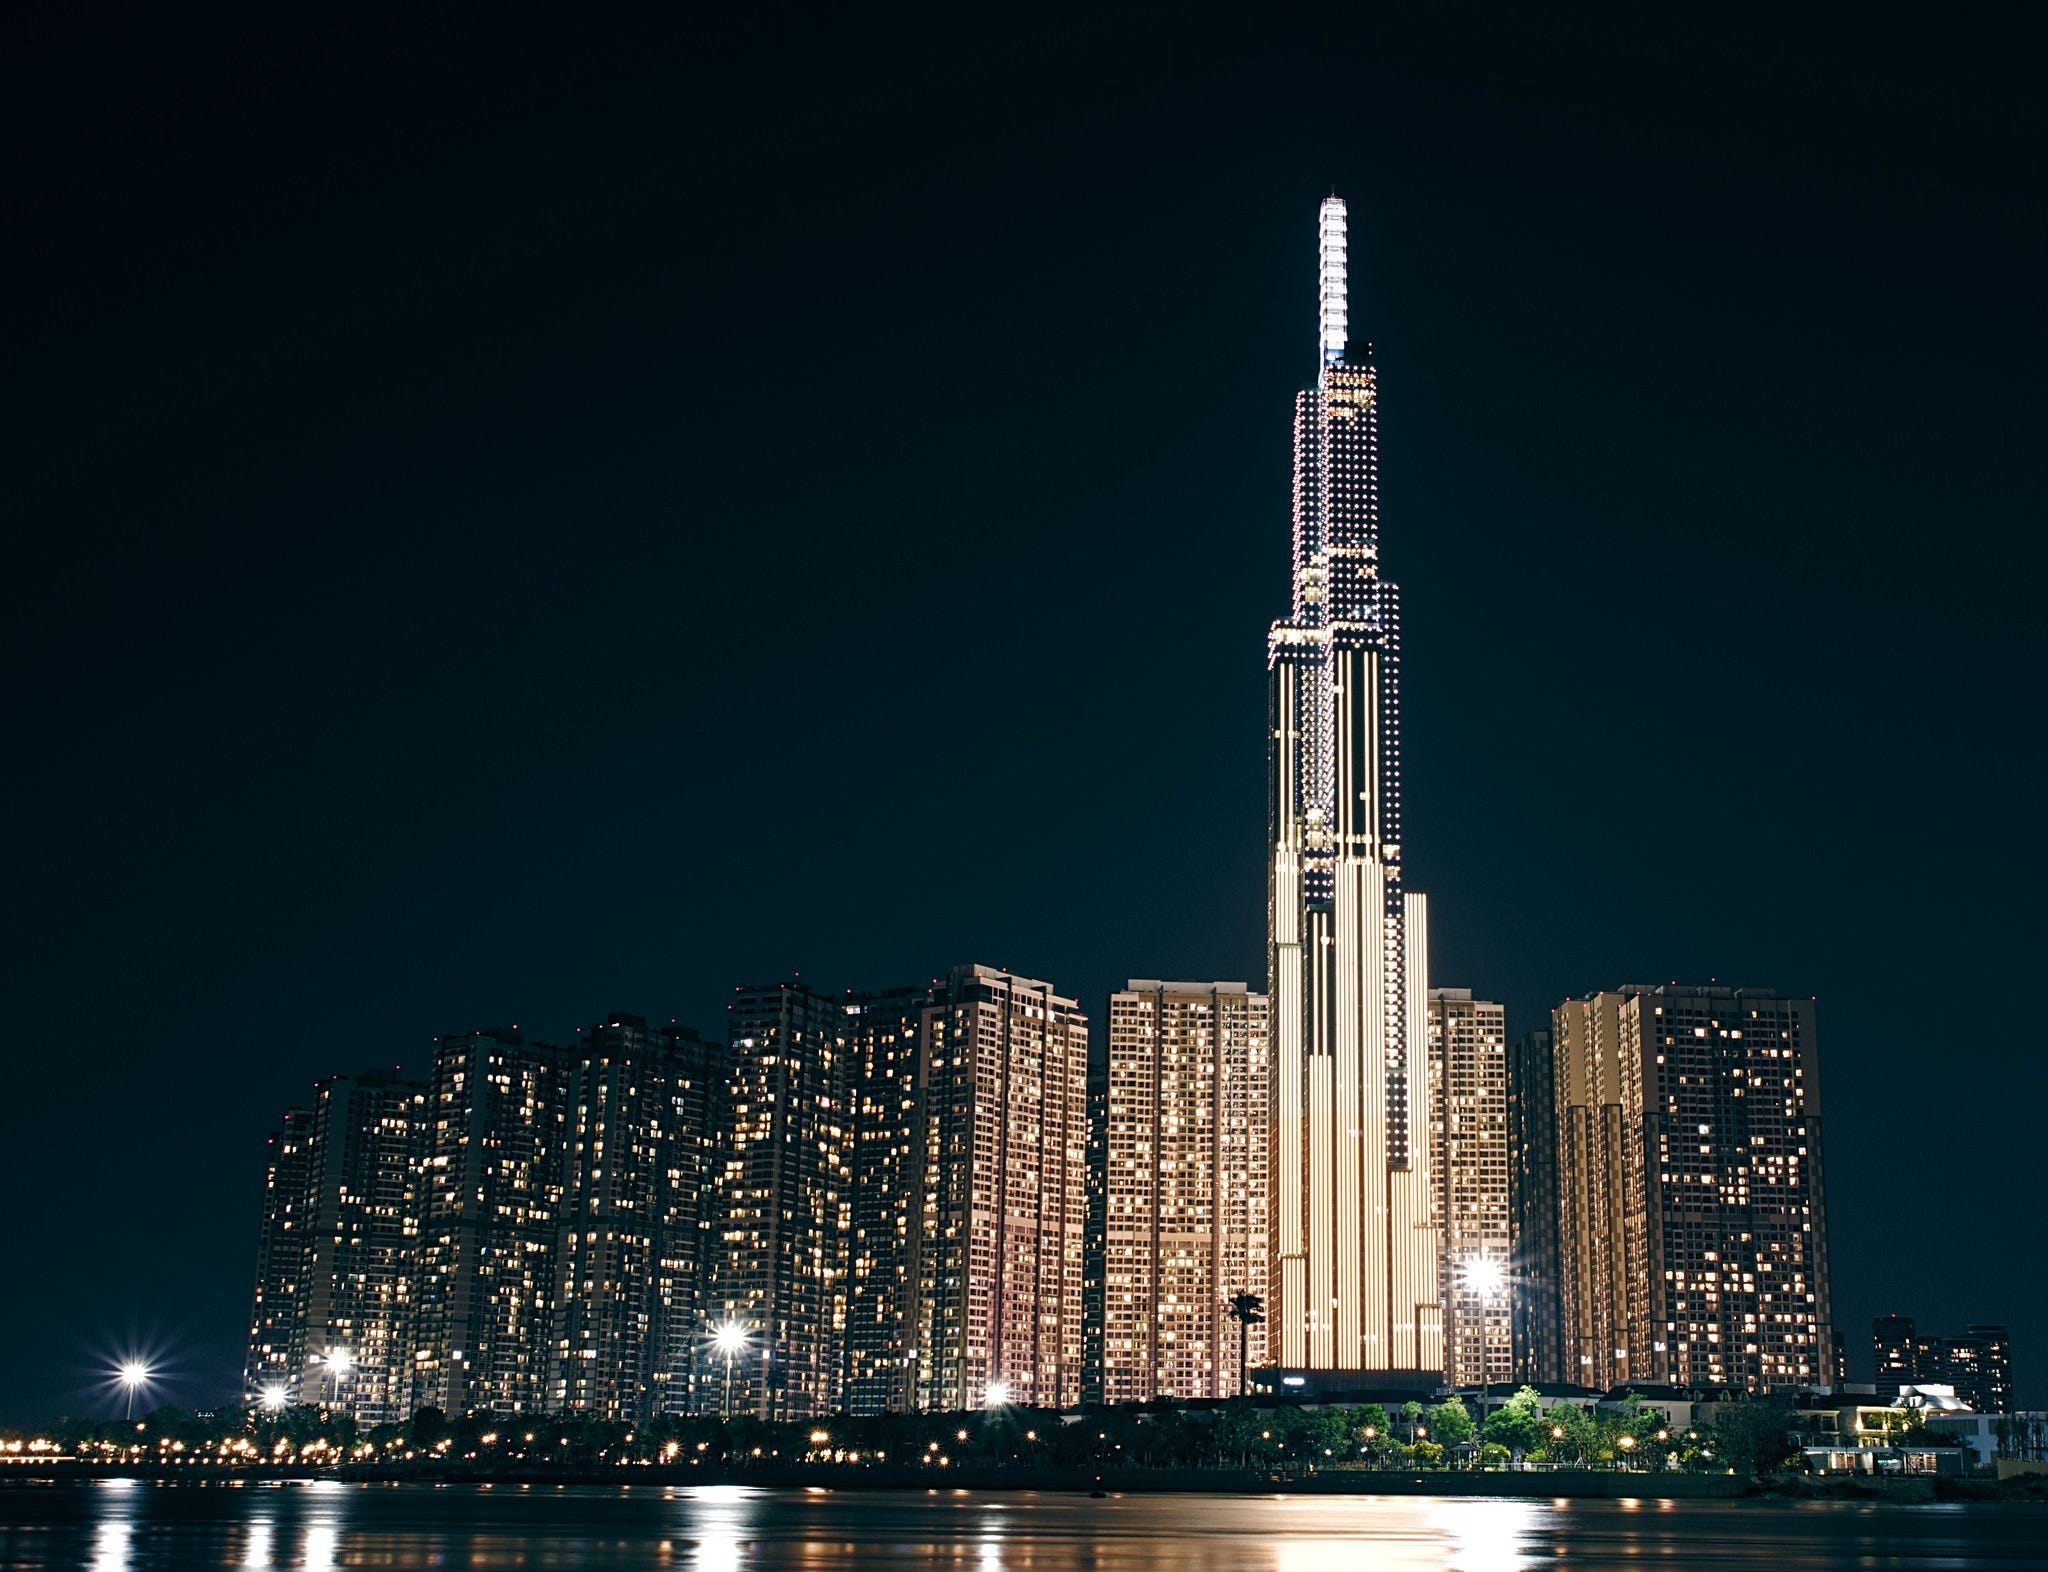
1899,1355
1979,1366
277,1323
698,1072
629,1274
1532,1210
1468,1091
886,1035
495,1124
363,1214
1355,1253
1181,1172
1692,1203
784,1199
1004,1066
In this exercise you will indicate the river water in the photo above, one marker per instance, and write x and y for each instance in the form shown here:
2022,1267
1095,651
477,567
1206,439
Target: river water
117,1524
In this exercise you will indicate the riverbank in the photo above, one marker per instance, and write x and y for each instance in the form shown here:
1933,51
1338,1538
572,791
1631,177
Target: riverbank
1545,1484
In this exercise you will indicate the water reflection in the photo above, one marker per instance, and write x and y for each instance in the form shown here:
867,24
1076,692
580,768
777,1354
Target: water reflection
256,1547
111,1544
128,1528
719,1517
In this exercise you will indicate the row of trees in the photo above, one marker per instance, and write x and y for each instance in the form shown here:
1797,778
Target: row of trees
1751,1437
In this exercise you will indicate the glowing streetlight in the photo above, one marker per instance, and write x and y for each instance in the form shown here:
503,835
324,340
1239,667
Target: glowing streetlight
998,1394
273,1397
728,1337
339,1362
133,1375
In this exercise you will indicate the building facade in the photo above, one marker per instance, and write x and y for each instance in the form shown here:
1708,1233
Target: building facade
784,1199
1533,1209
1468,1090
363,1217
1181,1171
629,1266
1355,1254
1004,1067
1899,1355
491,1183
277,1321
887,1031
1693,1212
1979,1366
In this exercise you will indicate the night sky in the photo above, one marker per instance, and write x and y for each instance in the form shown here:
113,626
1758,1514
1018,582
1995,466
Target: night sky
506,524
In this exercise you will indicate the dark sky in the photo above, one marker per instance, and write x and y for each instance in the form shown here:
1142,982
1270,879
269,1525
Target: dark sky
505,523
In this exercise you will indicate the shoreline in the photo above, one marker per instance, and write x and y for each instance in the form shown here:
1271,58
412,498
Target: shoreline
1561,1484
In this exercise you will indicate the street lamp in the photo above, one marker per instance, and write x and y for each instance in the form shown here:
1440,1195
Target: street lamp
1484,1278
133,1375
1628,1446
729,1337
998,1394
274,1396
339,1362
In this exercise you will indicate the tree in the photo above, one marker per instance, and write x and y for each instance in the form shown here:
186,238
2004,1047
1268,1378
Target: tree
1518,1424
1248,1311
1753,1435
1321,1432
1450,1423
1570,1435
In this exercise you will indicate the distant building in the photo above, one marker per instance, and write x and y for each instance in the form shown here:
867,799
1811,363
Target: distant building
491,1196
629,1268
1181,1172
1468,1101
1977,1365
363,1213
1000,1266
1898,1354
1533,1210
277,1322
1693,1216
784,1199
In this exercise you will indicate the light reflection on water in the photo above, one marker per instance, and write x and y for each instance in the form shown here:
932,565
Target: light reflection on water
116,1526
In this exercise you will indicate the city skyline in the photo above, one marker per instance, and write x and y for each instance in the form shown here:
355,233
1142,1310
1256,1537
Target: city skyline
437,606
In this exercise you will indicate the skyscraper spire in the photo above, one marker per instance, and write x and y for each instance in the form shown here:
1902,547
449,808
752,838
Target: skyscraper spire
1331,279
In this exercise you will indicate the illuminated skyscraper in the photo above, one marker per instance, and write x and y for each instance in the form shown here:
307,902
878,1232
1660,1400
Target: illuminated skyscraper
277,1324
784,1199
1532,1208
1181,1172
1692,1206
363,1206
1468,1085
1004,1065
492,1194
630,1259
886,1031
1355,1254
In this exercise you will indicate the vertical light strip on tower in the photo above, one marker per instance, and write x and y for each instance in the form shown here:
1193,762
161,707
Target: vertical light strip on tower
1332,280
1354,1245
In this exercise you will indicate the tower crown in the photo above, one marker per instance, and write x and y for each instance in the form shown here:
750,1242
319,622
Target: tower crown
1334,321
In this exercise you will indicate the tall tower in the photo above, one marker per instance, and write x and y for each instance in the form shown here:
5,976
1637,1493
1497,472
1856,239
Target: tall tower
1354,1278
